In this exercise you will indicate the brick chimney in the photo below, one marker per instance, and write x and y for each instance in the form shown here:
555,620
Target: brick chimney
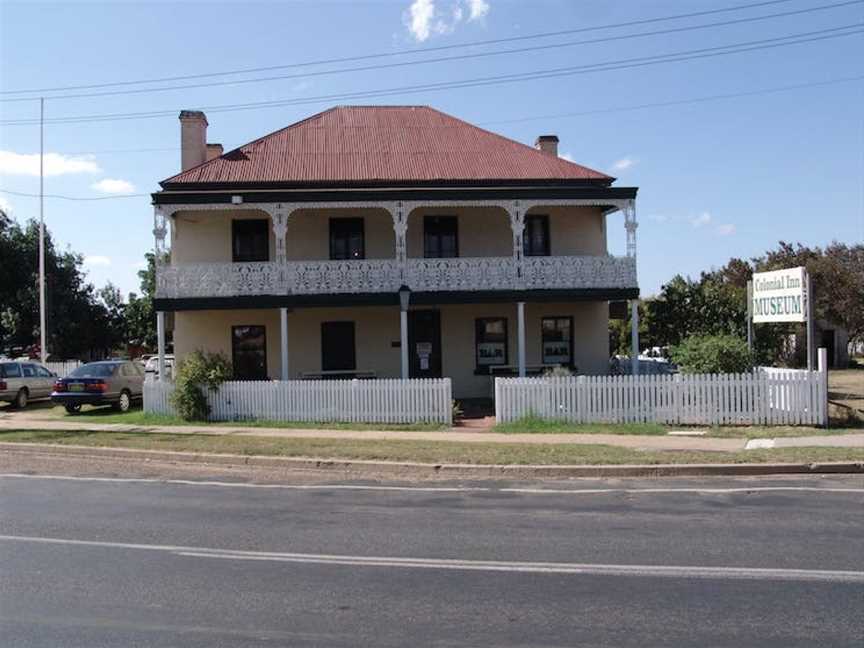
193,138
547,144
213,151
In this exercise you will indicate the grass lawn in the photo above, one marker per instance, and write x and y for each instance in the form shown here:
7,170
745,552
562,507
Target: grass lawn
539,426
139,417
421,451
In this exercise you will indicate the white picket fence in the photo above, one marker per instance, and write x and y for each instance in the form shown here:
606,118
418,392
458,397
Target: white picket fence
64,367
759,398
323,401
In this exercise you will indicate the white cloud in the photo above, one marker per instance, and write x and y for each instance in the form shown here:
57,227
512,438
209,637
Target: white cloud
97,260
5,206
424,18
624,163
567,156
113,186
477,9
727,229
701,220
56,164
421,13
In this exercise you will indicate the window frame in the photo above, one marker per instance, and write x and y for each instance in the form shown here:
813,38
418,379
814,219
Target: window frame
479,330
527,241
432,220
569,319
353,220
353,363
240,223
234,350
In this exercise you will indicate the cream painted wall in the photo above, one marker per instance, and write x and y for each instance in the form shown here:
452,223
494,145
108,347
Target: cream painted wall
376,328
206,235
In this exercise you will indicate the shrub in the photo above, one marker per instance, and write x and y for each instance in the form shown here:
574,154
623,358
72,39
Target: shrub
197,372
713,354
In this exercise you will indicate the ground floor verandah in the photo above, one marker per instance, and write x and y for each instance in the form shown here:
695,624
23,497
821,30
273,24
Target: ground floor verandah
469,343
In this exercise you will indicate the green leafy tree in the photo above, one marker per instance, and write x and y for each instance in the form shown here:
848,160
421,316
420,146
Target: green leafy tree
140,315
198,373
712,354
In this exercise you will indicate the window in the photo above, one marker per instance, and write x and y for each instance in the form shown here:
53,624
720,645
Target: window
250,240
249,352
490,341
29,370
557,340
347,239
337,346
43,372
440,237
10,370
535,240
94,370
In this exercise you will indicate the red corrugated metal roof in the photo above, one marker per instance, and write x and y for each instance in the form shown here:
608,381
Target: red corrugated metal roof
379,144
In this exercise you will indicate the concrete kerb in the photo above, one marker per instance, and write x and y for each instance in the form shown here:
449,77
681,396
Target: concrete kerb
426,469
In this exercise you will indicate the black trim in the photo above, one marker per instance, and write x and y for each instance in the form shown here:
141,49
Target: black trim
392,299
377,184
341,227
197,195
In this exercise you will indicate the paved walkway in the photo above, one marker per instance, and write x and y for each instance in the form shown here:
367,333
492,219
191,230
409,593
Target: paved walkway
636,442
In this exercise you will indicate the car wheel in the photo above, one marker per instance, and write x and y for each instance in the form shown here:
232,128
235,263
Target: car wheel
124,403
73,408
21,399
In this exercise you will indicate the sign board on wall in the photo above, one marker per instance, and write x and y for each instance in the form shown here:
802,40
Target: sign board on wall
779,296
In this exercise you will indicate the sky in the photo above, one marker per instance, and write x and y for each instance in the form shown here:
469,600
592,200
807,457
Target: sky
731,153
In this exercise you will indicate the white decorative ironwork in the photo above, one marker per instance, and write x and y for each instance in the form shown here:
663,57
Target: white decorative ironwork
569,272
479,273
630,225
334,277
386,276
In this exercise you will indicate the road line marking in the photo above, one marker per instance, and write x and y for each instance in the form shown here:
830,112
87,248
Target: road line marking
439,489
592,569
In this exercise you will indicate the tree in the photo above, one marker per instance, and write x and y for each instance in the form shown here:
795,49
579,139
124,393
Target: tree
140,316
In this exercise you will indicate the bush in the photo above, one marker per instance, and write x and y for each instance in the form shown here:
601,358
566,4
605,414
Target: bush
197,372
713,354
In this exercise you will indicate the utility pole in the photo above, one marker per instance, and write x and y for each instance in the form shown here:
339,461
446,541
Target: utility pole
43,352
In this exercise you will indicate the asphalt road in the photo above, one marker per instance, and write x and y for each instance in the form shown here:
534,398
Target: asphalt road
751,562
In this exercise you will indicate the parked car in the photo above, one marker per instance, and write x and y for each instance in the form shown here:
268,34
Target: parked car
112,382
152,366
21,382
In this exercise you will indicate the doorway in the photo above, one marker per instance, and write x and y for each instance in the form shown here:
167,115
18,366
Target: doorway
424,343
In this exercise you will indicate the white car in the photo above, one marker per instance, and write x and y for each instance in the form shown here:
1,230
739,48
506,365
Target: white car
151,367
24,380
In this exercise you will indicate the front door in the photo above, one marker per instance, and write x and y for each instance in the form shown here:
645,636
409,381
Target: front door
424,343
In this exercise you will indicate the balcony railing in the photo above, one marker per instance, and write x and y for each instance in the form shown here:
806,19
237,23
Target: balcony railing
387,275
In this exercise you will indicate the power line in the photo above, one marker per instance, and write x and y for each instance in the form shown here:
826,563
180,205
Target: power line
596,111
612,109
61,197
606,66
439,48
443,59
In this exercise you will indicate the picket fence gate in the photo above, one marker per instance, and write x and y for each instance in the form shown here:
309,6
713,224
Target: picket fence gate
759,398
322,401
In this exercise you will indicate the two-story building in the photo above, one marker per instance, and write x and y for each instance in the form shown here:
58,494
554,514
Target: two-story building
389,241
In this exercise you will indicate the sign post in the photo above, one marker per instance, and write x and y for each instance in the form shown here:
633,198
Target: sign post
782,296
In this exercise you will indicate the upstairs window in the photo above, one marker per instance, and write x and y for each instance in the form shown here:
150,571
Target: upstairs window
347,240
250,240
535,240
440,237
249,352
